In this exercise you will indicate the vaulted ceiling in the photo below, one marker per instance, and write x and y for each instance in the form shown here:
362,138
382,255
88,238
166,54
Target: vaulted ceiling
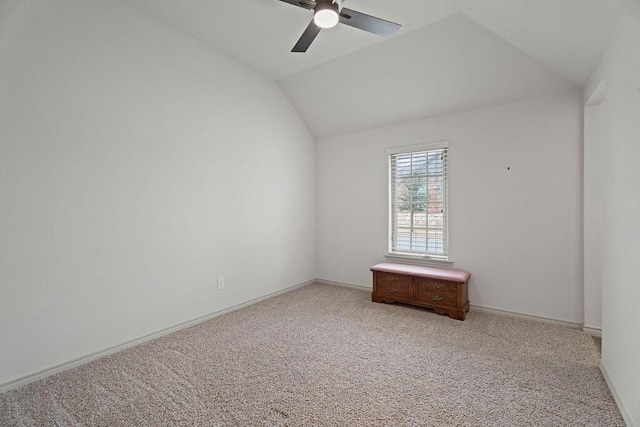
450,55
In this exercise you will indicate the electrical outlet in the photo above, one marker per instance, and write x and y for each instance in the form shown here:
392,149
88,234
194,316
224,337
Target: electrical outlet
220,283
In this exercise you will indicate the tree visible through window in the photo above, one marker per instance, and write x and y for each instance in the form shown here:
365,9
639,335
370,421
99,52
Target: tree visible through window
418,199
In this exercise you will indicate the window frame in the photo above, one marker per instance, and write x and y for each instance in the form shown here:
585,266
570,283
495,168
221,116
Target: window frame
420,256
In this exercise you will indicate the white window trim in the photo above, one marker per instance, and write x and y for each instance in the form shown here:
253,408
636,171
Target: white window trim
427,260
422,147
413,259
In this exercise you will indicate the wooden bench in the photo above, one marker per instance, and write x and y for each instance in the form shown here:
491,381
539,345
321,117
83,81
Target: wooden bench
444,291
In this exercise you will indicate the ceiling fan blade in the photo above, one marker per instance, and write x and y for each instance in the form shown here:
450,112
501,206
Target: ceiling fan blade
368,23
305,4
307,38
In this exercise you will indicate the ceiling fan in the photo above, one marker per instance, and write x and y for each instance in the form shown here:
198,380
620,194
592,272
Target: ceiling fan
328,13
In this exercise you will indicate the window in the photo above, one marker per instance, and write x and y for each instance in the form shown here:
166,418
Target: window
418,201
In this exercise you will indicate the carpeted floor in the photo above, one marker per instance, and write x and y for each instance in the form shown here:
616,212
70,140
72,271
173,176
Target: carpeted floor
328,356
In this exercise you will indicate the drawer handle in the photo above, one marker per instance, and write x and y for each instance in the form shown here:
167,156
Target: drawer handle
392,290
437,298
437,285
392,278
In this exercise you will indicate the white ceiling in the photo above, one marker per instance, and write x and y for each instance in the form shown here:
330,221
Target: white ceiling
566,35
262,33
449,55
451,66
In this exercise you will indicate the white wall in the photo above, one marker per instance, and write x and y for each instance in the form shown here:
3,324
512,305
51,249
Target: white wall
620,71
592,219
518,232
136,166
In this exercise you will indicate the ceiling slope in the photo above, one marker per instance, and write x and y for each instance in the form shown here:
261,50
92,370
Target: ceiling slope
261,33
449,56
566,35
448,67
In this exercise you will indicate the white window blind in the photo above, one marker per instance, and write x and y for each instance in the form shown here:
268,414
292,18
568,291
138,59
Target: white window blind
418,201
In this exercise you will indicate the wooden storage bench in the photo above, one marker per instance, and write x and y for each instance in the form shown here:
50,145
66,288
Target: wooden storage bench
444,291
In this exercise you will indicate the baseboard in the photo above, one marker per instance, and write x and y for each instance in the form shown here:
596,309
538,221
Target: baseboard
592,330
36,376
473,307
344,285
626,415
47,372
525,316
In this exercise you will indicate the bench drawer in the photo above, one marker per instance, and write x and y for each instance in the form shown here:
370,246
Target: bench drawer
438,299
426,284
394,285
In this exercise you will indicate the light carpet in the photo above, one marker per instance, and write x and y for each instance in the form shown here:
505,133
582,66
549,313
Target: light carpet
327,356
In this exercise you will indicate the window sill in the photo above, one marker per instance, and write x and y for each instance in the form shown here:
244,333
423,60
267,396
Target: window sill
418,260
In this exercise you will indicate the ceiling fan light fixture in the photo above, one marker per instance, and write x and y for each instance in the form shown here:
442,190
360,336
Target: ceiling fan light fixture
326,15
329,13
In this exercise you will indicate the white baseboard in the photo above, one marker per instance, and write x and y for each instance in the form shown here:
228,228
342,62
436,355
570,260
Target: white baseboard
474,307
592,330
626,415
344,285
29,378
525,316
44,373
